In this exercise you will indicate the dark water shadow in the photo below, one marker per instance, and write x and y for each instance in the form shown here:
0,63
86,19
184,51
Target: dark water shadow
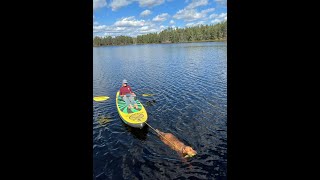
138,133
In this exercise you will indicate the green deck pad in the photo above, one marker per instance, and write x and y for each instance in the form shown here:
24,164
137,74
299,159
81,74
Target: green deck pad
124,108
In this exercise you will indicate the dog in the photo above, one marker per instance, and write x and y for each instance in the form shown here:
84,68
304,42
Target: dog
184,150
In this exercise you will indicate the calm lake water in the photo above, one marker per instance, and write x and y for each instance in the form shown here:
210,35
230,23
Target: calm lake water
189,83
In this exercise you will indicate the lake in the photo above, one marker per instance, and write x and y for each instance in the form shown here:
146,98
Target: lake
189,83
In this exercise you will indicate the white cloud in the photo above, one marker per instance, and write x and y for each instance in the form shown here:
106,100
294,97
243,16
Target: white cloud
212,16
147,29
129,21
162,27
150,3
117,4
206,11
215,21
222,15
128,26
144,28
217,18
99,4
160,18
117,29
104,30
189,24
145,13
133,26
187,14
197,3
195,24
221,2
99,28
192,14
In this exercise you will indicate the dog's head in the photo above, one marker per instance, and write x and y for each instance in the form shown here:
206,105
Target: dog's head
188,152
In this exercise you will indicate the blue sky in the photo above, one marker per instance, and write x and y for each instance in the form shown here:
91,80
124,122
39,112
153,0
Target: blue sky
137,17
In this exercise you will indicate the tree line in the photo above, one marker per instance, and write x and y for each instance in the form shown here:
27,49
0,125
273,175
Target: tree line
217,32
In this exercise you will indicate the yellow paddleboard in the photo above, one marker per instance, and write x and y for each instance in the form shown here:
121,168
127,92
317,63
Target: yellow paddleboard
132,117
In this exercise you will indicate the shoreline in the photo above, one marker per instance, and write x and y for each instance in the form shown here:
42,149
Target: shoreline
168,43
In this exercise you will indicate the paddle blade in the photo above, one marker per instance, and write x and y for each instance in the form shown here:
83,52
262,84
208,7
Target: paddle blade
146,95
100,98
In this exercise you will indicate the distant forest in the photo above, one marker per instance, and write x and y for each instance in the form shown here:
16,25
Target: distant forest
217,32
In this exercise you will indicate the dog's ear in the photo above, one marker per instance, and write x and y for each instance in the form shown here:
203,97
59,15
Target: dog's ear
185,150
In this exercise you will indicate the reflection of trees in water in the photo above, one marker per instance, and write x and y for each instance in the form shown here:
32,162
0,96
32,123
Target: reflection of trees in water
138,133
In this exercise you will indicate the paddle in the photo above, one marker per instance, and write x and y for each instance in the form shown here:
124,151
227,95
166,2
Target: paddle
101,98
147,95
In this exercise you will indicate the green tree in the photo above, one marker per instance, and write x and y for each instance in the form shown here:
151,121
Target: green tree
170,35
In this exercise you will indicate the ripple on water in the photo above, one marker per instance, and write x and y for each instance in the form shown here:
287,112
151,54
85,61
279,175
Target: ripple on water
189,82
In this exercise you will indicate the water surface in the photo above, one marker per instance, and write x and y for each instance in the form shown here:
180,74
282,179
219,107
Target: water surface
189,83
